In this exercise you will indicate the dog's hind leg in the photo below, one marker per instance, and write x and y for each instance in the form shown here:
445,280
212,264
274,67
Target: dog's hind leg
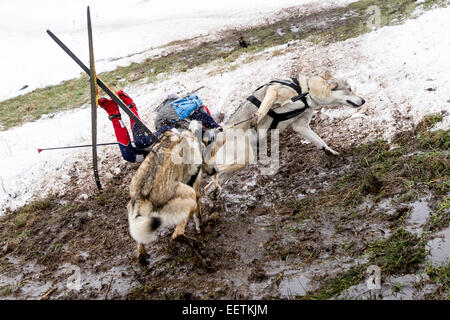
198,219
180,208
179,229
142,253
198,212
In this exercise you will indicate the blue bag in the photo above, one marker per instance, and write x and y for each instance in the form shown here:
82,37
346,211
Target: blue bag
184,107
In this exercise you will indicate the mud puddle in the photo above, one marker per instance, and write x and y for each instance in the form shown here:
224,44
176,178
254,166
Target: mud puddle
285,236
419,214
440,247
407,287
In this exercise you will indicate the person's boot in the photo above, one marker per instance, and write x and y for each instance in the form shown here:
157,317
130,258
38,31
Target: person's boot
141,139
122,136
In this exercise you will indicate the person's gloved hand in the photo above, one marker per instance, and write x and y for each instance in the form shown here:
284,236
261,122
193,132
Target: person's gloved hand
126,99
109,106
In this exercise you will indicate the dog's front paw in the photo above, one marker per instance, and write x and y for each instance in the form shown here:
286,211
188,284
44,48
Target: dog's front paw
217,192
213,193
330,152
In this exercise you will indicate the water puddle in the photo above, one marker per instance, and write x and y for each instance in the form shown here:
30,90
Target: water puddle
118,279
367,204
10,281
260,234
386,207
34,289
301,281
440,247
407,287
297,284
418,216
294,29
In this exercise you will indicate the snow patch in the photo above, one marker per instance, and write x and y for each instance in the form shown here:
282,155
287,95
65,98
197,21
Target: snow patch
123,32
389,66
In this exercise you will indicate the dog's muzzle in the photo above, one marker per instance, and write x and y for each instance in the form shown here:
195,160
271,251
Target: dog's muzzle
356,105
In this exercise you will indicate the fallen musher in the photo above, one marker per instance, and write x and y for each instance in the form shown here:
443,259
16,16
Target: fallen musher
176,113
275,106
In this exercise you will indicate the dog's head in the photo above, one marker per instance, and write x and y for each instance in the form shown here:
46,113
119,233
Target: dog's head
142,221
328,90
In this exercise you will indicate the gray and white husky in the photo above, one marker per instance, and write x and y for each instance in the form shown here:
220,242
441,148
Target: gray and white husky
321,91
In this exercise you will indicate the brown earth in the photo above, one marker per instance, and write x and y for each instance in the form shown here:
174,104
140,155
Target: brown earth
261,232
308,231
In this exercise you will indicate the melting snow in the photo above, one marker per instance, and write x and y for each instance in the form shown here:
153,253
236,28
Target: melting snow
391,67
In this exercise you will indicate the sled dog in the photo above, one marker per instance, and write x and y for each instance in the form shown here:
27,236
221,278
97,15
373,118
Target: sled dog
277,110
165,190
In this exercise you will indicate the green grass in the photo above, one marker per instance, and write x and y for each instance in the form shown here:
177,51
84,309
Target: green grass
337,285
25,213
384,172
13,226
440,219
396,287
338,24
400,253
428,122
445,206
441,276
5,291
435,140
36,206
31,106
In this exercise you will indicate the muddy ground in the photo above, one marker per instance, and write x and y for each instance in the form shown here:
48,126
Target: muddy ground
308,232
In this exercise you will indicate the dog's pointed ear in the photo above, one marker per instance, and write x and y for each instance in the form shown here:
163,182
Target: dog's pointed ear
327,75
332,84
